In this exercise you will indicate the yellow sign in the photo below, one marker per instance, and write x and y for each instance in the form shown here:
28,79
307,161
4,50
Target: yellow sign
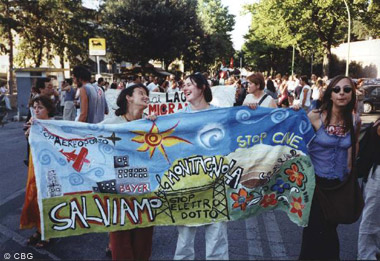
97,46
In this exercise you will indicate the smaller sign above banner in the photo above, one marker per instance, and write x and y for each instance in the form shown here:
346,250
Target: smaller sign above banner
97,46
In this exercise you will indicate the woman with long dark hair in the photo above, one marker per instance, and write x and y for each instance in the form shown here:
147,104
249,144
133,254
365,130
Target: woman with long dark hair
134,244
330,152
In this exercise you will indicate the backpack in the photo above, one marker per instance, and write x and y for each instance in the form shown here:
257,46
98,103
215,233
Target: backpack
364,160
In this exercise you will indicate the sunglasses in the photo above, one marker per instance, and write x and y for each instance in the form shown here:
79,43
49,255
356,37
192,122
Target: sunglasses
346,89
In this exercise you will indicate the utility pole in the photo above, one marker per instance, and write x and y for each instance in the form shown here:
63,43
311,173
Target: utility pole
293,59
348,37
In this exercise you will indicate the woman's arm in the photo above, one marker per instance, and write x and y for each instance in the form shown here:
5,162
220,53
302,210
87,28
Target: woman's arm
356,140
314,117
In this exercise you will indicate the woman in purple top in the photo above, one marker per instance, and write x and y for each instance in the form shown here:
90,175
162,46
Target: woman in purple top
330,152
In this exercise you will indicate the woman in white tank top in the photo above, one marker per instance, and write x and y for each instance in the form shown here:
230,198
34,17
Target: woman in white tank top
257,96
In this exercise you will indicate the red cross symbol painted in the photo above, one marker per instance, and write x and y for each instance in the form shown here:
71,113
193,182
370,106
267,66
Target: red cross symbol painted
79,159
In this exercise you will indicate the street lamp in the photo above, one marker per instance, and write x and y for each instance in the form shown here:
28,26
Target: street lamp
349,37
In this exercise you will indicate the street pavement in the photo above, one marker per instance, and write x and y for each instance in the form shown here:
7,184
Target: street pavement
270,236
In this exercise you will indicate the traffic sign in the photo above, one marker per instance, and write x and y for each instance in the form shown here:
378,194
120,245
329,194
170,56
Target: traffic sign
97,46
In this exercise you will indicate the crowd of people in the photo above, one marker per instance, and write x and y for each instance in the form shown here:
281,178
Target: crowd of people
333,109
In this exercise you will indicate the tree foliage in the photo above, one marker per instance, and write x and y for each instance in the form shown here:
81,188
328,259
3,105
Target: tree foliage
212,44
313,26
140,30
47,28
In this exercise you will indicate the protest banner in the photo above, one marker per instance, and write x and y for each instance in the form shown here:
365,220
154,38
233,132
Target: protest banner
185,168
169,103
165,103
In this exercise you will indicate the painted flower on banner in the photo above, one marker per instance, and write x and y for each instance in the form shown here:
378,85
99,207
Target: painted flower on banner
241,199
294,174
269,200
156,139
297,207
280,186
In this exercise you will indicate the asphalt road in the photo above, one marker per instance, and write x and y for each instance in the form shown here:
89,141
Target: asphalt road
269,236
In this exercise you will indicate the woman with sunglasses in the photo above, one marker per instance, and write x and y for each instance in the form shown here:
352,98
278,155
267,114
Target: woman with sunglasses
330,152
198,95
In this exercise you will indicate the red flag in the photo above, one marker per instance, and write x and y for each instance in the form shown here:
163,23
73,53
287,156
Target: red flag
232,62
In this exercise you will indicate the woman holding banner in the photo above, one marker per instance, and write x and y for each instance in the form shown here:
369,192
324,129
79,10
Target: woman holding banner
44,109
257,96
332,156
134,244
198,95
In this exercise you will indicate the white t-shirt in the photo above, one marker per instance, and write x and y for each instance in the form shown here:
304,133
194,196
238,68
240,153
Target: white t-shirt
151,86
3,90
315,95
251,99
307,102
172,90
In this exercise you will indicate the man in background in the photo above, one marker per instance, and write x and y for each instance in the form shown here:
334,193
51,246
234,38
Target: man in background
93,104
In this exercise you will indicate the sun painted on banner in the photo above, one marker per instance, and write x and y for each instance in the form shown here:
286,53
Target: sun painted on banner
156,139
204,167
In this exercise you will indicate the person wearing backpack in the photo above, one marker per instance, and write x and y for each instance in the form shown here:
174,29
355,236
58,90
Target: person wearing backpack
257,96
369,230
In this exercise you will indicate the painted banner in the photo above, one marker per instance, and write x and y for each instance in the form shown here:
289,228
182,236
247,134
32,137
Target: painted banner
165,103
169,103
185,168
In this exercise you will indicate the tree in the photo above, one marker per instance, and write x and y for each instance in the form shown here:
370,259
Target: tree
309,25
7,25
217,24
141,30
51,27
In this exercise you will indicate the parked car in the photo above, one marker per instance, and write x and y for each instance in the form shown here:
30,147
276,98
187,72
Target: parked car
371,98
371,81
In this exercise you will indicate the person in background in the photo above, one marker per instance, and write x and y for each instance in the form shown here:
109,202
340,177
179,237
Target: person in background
330,153
277,82
153,85
180,85
69,111
240,94
111,97
93,104
133,244
369,230
44,109
106,86
121,85
173,87
305,93
3,95
256,95
316,104
270,89
43,87
135,79
198,95
162,86
100,83
360,97
283,91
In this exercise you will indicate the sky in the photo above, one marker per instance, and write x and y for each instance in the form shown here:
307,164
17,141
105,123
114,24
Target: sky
242,23
235,7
